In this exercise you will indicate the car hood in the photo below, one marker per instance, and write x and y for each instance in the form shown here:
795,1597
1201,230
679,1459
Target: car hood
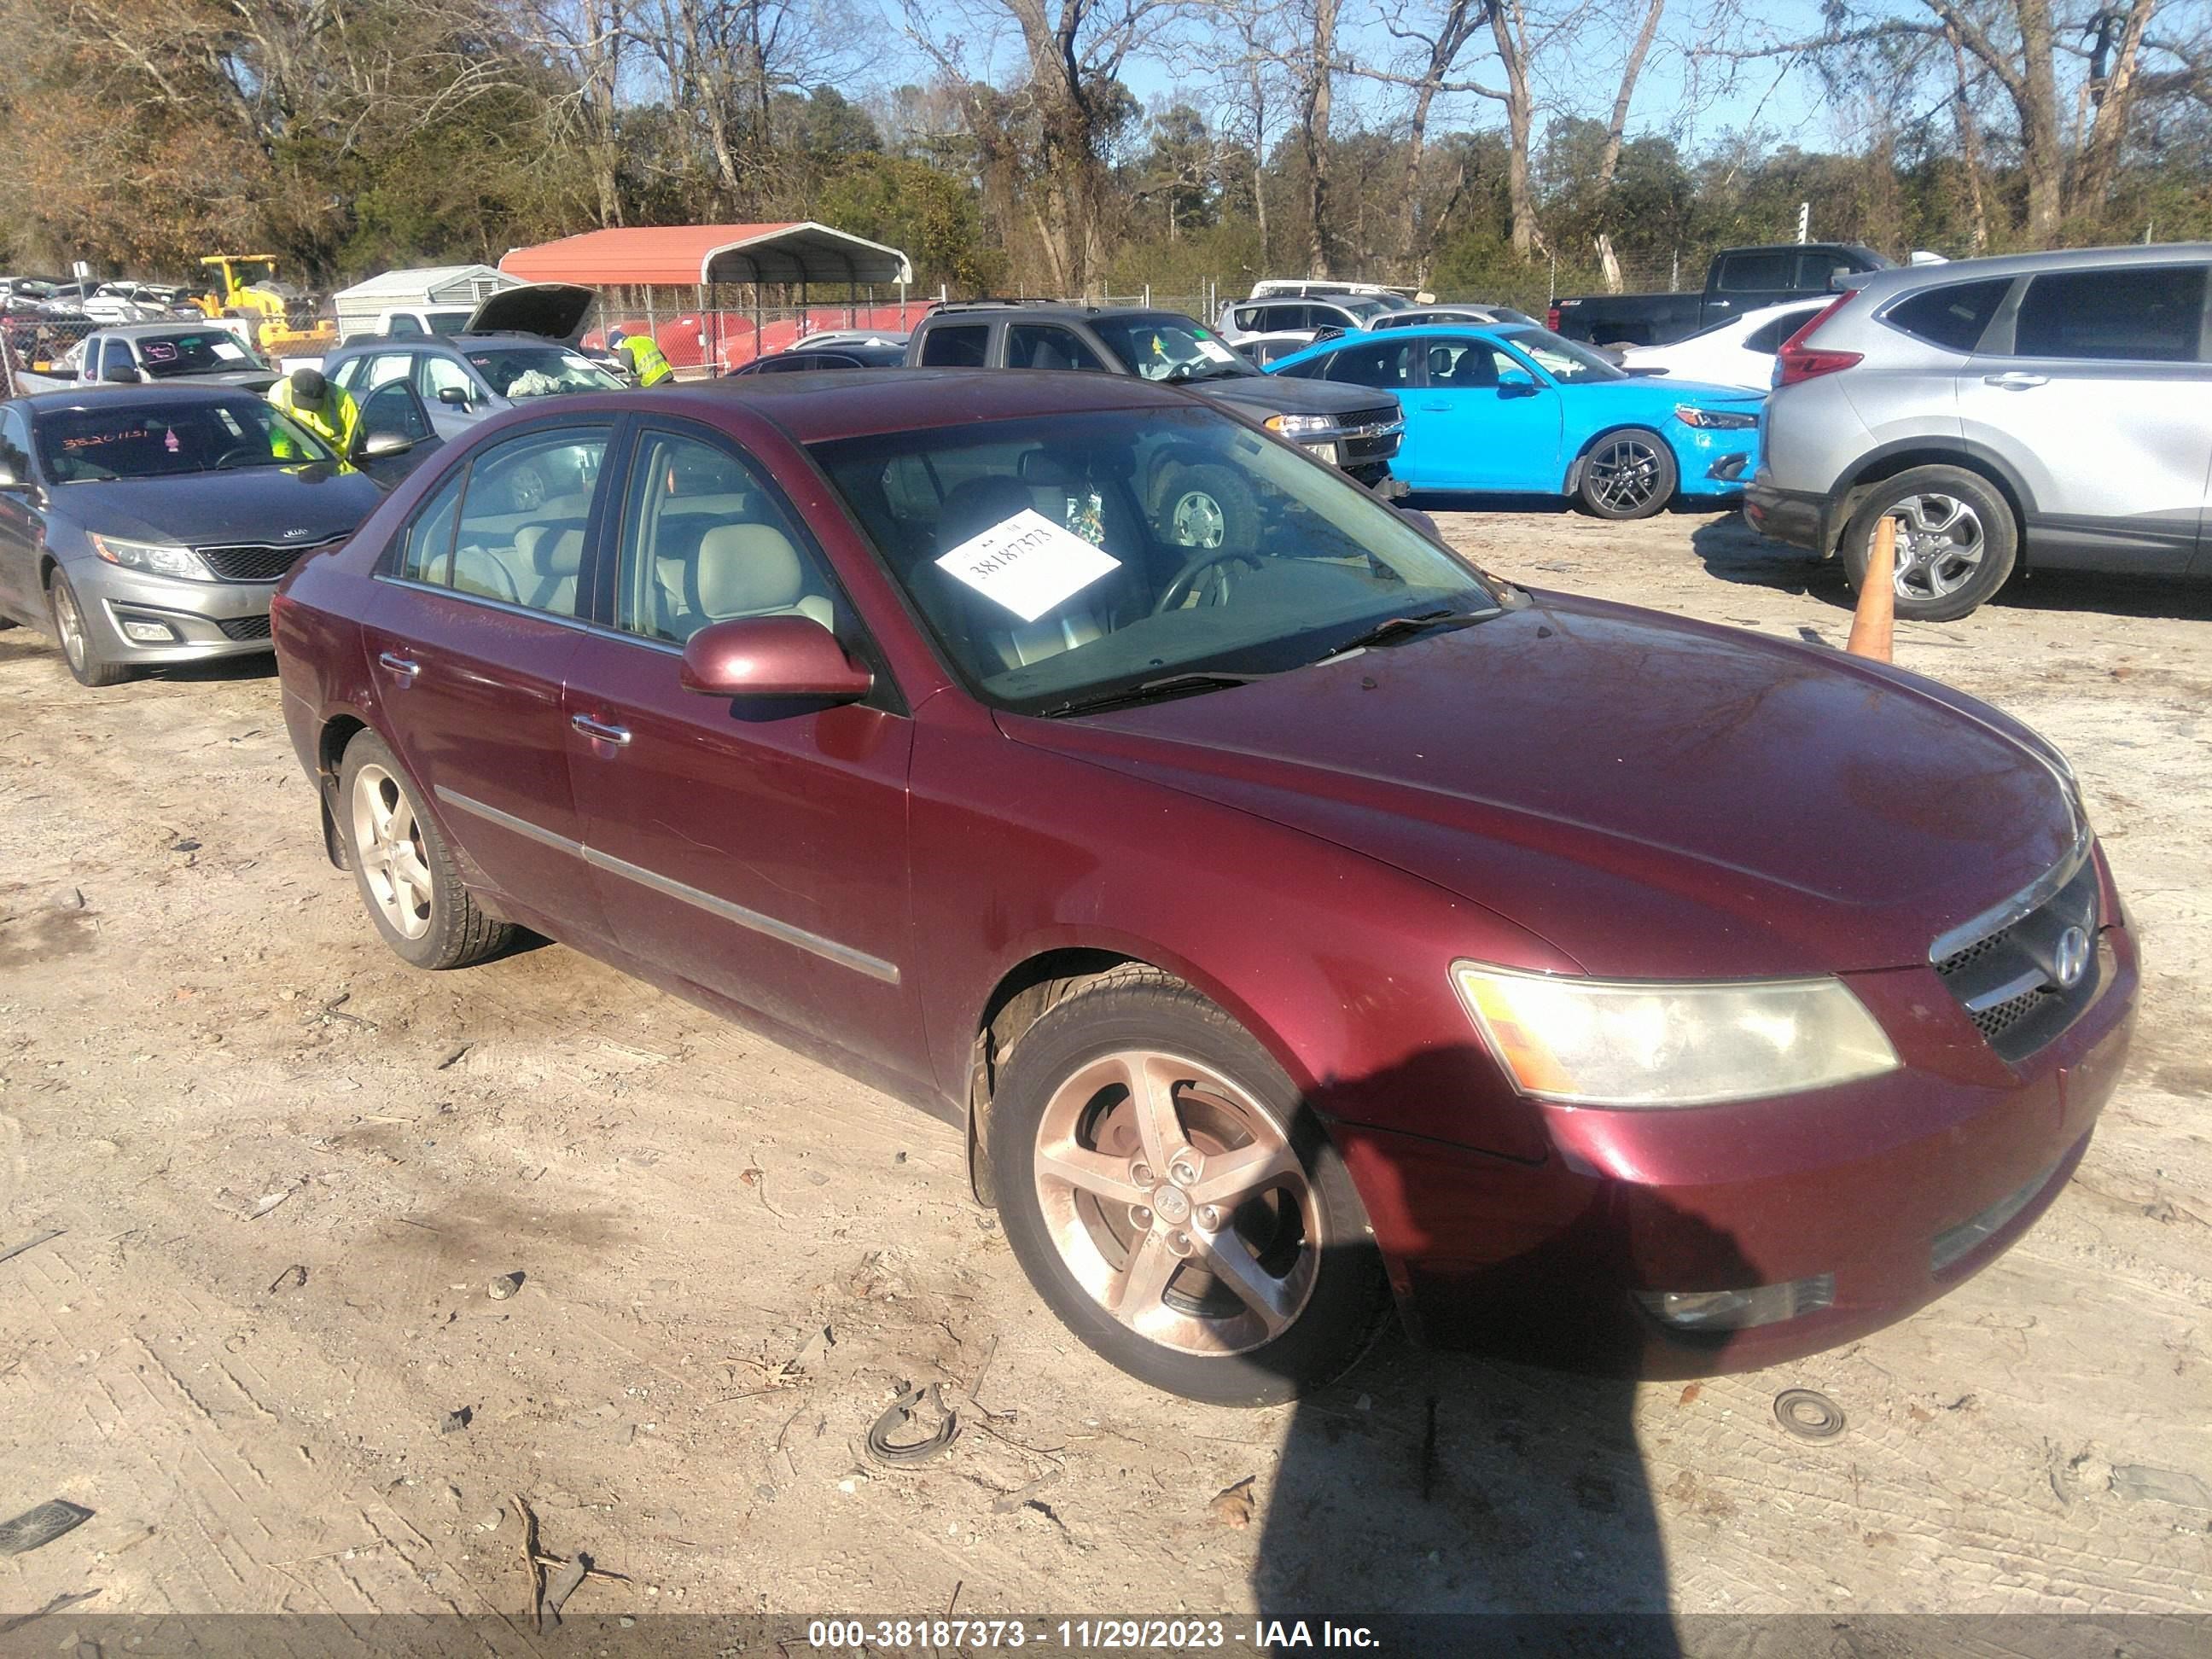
281,505
1278,394
554,310
1654,797
1666,387
253,379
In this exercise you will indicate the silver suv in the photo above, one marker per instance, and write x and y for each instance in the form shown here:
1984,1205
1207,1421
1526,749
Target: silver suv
2045,410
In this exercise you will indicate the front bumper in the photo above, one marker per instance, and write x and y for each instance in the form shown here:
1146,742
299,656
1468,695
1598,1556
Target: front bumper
202,620
1892,1191
1788,515
1714,461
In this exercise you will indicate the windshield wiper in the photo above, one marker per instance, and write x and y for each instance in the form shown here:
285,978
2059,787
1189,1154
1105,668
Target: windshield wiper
1391,628
1171,685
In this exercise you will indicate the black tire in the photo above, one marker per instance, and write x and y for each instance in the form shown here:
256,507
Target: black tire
455,930
1628,474
79,654
1933,583
1140,1008
1194,501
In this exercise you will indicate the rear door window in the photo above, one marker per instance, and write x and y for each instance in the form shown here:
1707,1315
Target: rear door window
1387,363
1745,273
1953,316
1038,345
2139,313
966,346
523,512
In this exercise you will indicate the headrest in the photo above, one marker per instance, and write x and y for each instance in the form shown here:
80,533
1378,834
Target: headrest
746,569
553,549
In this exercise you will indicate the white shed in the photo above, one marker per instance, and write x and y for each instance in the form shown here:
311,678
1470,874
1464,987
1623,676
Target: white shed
461,287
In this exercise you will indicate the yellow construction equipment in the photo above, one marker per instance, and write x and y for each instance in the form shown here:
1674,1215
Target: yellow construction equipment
248,288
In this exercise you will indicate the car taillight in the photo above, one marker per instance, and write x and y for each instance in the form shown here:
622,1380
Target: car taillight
1797,362
1552,320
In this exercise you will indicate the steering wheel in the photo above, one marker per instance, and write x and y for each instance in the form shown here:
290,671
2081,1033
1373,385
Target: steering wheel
248,453
1179,586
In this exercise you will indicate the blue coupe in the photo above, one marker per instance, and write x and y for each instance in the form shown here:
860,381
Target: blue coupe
1517,410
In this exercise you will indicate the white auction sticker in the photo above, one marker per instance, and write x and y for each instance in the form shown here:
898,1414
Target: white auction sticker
1219,352
1027,563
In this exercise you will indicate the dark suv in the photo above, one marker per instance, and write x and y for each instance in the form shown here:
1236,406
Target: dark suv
1357,428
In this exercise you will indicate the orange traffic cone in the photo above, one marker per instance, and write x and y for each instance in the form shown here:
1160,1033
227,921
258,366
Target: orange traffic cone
1872,623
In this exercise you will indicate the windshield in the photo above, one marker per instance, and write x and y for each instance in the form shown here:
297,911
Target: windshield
201,351
164,439
1385,301
539,372
1565,361
1169,346
1060,560
449,322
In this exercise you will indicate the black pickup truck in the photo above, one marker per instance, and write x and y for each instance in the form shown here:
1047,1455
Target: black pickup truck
1740,279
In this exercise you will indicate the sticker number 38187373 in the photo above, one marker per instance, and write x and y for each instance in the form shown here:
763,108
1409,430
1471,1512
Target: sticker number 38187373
1027,563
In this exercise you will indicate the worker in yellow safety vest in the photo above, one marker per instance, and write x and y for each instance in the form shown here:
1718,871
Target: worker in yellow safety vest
646,360
328,411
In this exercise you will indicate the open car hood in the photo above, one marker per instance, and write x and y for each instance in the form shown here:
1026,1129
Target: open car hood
554,310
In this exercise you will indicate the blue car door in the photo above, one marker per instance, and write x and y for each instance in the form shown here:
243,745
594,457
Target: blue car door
1488,421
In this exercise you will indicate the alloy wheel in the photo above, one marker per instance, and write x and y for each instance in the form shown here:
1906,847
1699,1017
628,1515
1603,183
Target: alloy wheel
70,621
1177,1202
1197,520
1939,543
389,846
1623,474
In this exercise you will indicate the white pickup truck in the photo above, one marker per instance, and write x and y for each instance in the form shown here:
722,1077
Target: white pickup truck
201,354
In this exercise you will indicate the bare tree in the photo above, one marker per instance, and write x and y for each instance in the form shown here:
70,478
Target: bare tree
1316,88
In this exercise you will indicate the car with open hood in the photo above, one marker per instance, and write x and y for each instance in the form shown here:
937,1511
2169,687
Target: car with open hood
1294,925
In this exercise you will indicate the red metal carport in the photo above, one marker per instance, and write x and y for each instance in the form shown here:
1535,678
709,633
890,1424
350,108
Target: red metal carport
703,257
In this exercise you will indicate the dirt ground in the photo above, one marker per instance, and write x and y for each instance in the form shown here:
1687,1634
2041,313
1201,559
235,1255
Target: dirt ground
263,1353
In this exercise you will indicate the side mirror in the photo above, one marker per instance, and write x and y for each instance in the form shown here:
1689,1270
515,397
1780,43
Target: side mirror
377,445
772,657
1422,522
126,375
457,396
1516,385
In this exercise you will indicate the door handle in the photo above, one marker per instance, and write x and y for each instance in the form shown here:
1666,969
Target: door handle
617,735
1435,409
406,667
2015,380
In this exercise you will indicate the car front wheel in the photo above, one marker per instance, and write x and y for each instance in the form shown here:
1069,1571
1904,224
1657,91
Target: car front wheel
1172,1200
1957,540
79,651
404,868
1628,475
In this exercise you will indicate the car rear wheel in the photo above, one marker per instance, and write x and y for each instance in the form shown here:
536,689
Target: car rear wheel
404,868
1957,541
1172,1200
85,663
1628,475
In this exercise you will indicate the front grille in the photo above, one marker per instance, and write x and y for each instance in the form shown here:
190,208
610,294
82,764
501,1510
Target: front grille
259,562
2012,980
244,628
1371,435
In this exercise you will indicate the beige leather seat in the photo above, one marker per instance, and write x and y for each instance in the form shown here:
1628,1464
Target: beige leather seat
479,570
552,554
745,570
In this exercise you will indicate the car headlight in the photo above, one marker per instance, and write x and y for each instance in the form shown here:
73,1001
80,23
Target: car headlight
1293,426
154,557
1615,1042
1715,420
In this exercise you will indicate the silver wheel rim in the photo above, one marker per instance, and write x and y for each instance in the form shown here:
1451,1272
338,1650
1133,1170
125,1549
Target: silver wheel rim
1177,1203
70,621
388,843
1197,520
1940,544
1624,474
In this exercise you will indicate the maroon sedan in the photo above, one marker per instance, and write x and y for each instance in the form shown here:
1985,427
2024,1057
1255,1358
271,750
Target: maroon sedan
1296,918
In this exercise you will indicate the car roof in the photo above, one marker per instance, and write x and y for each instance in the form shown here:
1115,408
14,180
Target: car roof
176,326
1060,312
1900,279
455,344
860,402
171,391
1495,332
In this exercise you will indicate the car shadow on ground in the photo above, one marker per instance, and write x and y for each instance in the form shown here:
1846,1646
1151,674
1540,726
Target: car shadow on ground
1732,550
1428,1487
20,643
